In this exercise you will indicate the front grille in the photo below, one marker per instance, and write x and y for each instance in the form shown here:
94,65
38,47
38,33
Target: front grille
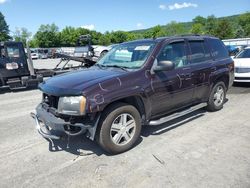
50,100
242,78
242,70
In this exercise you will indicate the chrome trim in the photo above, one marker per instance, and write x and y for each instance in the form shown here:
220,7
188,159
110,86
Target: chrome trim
38,127
177,114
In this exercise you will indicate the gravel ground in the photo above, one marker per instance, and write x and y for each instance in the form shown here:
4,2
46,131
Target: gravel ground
199,150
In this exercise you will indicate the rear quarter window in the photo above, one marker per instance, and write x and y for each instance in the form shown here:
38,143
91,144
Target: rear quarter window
199,52
218,49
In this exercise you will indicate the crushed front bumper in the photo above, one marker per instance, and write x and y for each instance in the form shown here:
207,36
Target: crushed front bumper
52,127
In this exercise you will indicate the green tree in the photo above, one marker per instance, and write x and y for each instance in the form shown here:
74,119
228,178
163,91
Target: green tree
224,29
68,37
197,28
22,35
118,37
4,29
239,32
199,20
95,36
211,25
155,32
48,36
105,39
244,22
33,43
174,28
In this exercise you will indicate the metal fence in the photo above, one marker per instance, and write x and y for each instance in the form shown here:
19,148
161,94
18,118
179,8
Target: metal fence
237,42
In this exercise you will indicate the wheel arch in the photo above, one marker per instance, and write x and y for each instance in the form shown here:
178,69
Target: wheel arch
135,101
224,78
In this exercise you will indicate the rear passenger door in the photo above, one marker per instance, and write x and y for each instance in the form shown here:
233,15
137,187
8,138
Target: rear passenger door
201,63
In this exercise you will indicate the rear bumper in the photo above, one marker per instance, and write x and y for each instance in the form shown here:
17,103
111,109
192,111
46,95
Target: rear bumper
52,127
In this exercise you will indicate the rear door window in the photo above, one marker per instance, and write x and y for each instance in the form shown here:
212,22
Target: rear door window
199,52
219,50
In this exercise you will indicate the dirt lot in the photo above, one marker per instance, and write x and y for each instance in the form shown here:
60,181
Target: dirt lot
199,150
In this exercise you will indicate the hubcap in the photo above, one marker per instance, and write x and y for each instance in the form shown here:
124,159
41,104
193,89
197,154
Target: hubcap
122,129
219,96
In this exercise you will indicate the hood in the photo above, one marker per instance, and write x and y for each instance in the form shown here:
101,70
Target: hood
242,62
75,82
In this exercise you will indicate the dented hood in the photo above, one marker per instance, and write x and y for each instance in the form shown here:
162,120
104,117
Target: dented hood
75,82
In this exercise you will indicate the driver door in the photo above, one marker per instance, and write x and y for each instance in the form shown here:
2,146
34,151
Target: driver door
172,89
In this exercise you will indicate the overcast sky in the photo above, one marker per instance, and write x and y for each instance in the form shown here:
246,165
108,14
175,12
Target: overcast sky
108,15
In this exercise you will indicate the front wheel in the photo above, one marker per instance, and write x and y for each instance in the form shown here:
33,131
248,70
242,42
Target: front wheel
119,128
217,97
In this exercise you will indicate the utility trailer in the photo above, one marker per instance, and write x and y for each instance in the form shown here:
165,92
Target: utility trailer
15,71
84,54
64,65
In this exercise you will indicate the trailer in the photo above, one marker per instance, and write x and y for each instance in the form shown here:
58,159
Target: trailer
83,53
64,65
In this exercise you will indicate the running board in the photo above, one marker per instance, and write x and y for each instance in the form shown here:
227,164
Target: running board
177,114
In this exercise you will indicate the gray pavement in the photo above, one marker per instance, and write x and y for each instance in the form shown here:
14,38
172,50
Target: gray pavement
199,150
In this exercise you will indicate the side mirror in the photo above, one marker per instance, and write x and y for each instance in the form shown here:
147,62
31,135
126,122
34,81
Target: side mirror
164,66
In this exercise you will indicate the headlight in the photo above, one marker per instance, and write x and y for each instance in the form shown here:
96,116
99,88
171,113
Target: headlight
72,105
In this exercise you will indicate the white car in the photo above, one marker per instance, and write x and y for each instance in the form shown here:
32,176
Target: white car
242,66
100,50
34,54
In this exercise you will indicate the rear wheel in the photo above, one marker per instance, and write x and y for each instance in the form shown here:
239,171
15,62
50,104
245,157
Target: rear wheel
217,97
119,128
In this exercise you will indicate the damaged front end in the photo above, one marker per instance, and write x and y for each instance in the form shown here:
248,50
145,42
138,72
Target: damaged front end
53,122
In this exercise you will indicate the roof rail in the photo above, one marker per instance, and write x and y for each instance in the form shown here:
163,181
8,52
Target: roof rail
190,35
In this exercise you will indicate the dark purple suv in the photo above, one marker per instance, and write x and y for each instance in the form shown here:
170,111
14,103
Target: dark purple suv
143,82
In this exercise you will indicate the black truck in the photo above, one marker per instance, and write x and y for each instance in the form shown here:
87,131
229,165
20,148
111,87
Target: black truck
15,71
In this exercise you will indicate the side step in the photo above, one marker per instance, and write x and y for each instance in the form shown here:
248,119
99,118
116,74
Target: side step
177,114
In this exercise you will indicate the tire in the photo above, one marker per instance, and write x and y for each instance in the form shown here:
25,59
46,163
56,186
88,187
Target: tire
217,97
103,54
114,137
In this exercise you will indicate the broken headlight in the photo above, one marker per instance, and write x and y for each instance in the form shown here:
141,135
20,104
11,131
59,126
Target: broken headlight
72,105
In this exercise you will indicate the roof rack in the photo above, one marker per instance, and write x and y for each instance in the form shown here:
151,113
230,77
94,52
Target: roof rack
189,35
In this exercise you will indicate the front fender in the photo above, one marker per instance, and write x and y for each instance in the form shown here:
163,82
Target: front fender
114,90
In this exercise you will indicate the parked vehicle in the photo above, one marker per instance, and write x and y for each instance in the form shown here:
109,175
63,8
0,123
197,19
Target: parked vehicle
232,50
52,53
39,53
43,53
241,47
34,54
242,66
100,51
143,82
15,72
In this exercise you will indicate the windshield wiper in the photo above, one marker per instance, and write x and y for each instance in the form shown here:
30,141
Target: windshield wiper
116,66
120,67
99,65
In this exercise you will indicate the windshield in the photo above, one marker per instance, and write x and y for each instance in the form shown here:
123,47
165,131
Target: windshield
13,51
129,55
244,54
